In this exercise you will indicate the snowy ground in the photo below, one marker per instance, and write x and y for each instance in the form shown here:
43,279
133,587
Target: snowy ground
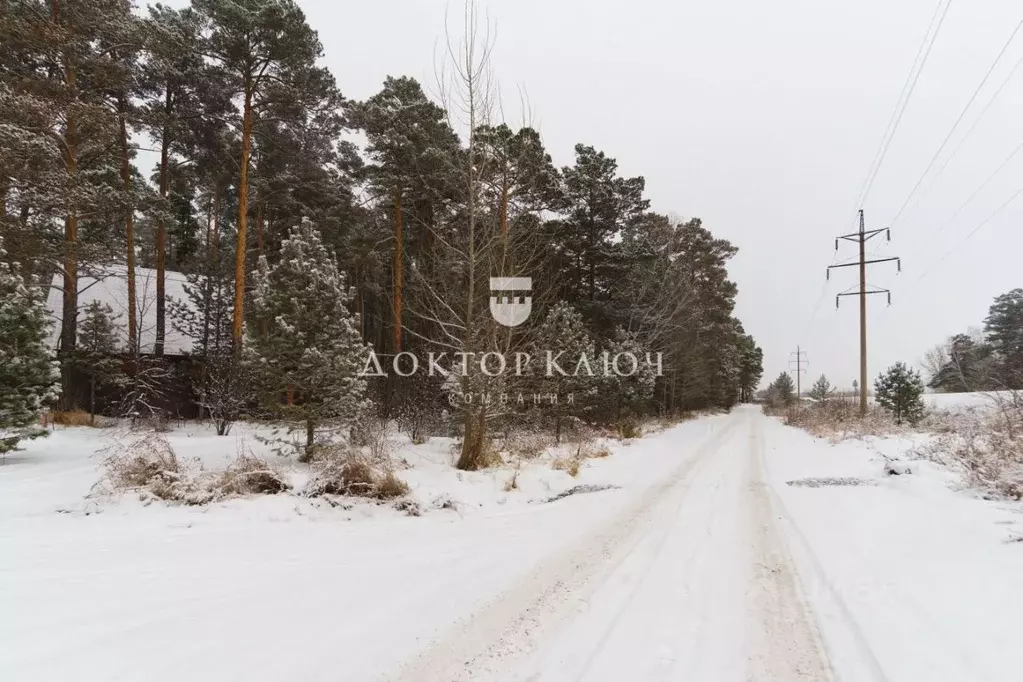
703,564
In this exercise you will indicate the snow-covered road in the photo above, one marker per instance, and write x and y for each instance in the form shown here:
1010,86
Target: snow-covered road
690,583
703,566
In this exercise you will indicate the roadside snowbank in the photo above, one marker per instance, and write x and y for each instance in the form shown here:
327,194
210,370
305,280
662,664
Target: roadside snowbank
911,580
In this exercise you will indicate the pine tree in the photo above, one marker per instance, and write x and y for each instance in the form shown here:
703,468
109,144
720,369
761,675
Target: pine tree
900,391
267,55
630,383
821,389
28,376
64,138
311,347
751,367
412,150
574,368
173,78
1004,328
600,206
97,355
785,389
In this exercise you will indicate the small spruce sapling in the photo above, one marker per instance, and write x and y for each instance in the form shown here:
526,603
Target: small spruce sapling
900,391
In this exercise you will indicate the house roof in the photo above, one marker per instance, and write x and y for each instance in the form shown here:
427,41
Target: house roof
110,286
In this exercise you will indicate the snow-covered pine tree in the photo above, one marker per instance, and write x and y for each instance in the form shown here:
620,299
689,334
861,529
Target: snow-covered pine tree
563,334
821,389
900,391
310,349
28,373
628,391
97,354
784,389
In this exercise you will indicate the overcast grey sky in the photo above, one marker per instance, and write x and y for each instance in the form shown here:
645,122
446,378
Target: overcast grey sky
762,118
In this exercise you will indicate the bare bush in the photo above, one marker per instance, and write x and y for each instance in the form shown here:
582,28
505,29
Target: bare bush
140,462
249,475
149,465
527,444
838,420
370,439
569,465
350,474
987,449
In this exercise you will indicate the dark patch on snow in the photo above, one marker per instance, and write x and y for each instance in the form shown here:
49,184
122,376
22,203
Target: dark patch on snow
579,490
831,481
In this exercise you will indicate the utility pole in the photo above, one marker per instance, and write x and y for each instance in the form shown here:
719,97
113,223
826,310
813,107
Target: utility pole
862,237
800,354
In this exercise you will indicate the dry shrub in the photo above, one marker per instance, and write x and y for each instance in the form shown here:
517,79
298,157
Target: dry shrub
629,428
149,465
527,445
512,483
370,440
353,475
838,420
140,462
390,486
71,418
592,451
249,475
987,449
569,465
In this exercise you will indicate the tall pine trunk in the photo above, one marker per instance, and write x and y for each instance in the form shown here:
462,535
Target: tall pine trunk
399,269
161,236
237,326
69,317
129,233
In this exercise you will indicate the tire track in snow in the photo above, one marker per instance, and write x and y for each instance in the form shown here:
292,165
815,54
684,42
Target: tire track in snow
488,641
786,643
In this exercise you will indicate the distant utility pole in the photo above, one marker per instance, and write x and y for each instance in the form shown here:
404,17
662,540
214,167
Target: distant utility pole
800,354
862,237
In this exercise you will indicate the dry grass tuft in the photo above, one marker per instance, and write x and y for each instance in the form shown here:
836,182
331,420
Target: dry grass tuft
569,465
249,475
839,420
390,486
353,475
70,418
149,465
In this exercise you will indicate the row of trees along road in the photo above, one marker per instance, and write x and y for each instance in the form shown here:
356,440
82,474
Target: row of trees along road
251,136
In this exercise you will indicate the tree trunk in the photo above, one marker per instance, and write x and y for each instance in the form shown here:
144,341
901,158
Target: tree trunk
310,437
92,401
237,326
259,229
399,269
474,438
69,316
161,237
129,234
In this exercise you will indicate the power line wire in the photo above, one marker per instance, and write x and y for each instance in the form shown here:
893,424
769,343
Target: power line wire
974,231
959,120
900,106
969,132
980,189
